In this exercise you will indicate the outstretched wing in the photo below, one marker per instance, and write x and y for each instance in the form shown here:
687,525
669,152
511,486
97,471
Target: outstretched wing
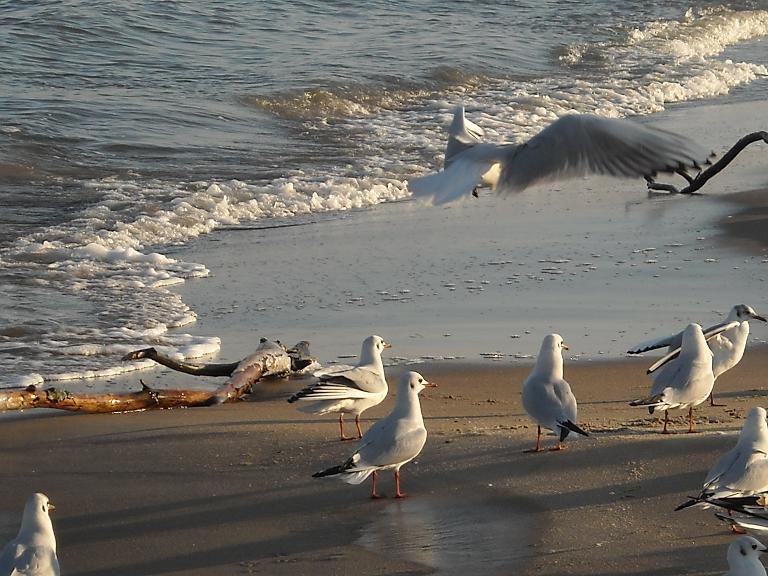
580,144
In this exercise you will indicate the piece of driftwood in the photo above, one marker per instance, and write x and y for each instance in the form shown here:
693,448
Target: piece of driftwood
269,359
696,182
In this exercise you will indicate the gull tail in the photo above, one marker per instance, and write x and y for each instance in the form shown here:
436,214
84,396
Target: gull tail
333,471
567,426
691,502
651,401
336,470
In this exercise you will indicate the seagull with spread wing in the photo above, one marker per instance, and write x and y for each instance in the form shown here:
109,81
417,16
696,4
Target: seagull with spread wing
572,146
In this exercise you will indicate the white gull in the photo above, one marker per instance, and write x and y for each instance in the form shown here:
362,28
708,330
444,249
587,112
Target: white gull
391,442
350,391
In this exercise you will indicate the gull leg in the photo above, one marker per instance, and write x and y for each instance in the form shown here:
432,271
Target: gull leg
341,428
357,423
398,494
712,400
538,442
691,426
666,422
374,494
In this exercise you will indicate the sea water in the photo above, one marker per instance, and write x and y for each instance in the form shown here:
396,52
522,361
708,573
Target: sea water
131,133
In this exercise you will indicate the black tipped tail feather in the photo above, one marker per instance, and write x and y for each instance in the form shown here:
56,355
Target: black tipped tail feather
329,472
567,427
691,502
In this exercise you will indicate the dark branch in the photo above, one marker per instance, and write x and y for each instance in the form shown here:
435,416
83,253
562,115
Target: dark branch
696,182
194,369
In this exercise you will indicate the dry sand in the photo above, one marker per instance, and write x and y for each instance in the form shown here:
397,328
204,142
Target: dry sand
228,490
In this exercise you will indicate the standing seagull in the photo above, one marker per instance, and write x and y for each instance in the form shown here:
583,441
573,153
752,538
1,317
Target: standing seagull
727,347
391,442
743,470
350,391
744,557
572,146
686,379
547,398
33,551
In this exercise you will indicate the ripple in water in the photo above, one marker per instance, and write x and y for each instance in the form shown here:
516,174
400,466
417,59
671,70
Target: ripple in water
451,536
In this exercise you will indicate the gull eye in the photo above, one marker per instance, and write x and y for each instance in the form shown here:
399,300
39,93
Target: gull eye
754,546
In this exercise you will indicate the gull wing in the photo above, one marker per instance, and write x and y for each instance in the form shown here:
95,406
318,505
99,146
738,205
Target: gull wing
673,341
461,176
708,335
580,144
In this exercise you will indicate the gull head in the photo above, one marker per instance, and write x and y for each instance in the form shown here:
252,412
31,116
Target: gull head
744,312
744,549
372,348
554,342
693,338
36,516
755,427
412,383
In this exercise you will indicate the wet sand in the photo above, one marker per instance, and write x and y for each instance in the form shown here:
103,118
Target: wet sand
228,490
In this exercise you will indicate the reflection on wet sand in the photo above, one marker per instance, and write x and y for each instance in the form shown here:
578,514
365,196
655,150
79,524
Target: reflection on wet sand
451,536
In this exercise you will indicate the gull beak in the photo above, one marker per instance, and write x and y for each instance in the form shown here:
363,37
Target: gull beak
51,507
565,346
387,345
758,317
430,385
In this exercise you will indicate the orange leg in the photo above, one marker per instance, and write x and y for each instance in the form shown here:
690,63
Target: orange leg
398,494
712,400
666,422
374,494
691,424
538,442
357,423
341,429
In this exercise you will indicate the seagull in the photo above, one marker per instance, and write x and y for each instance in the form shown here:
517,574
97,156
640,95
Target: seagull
350,391
547,398
391,442
727,347
744,557
462,135
687,378
33,551
572,146
743,470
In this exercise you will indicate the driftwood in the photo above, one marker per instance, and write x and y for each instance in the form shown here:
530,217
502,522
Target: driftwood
697,181
269,359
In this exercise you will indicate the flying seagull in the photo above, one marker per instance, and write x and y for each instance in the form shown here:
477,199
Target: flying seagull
572,146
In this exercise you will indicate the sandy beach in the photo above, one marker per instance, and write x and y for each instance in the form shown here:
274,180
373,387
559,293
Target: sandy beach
228,490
